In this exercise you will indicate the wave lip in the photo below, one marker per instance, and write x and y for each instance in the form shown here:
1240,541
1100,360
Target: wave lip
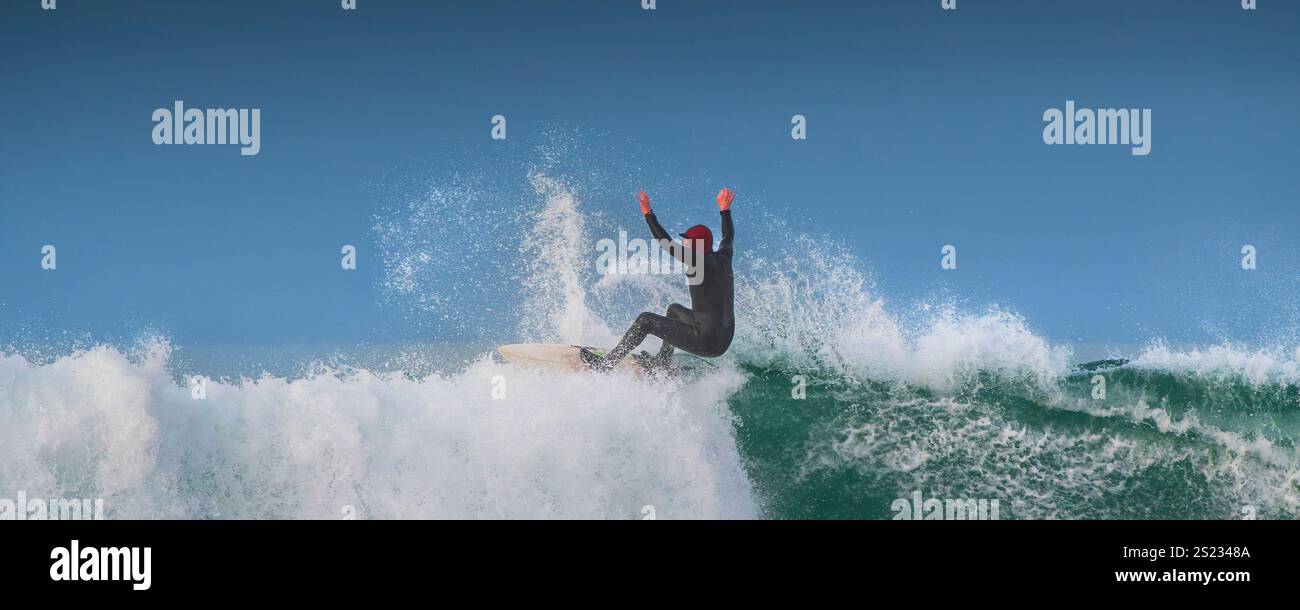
1226,362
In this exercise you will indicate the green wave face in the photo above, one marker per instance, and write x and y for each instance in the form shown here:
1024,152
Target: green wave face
1160,444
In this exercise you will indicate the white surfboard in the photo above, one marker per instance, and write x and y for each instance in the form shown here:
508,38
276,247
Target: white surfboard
551,356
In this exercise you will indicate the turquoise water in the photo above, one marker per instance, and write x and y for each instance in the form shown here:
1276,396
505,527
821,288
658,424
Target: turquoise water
1161,445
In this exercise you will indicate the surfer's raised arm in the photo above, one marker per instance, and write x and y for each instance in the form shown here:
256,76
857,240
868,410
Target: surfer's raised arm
657,230
725,197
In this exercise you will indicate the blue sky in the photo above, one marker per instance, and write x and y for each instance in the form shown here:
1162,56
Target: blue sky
924,130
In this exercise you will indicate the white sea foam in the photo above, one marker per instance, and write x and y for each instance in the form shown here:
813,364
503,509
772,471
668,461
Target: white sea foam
98,424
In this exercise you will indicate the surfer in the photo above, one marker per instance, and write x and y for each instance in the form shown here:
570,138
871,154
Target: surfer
706,327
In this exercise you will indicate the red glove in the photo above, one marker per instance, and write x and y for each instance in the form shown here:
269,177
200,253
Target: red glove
725,197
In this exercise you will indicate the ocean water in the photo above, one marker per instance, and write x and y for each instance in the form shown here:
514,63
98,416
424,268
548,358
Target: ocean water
831,404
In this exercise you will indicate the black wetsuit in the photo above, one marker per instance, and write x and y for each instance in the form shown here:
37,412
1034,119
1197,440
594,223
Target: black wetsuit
704,329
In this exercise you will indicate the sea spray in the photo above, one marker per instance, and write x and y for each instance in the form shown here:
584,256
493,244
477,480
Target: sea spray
560,267
447,248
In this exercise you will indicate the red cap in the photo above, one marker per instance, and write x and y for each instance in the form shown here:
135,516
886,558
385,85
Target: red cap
699,232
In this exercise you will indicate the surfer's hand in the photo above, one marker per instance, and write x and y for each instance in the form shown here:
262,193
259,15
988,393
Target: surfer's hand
644,200
725,197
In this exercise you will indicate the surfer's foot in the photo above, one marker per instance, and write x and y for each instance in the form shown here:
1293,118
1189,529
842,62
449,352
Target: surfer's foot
653,363
594,361
645,360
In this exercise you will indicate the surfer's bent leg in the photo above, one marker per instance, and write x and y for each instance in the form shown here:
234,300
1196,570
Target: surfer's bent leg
674,333
676,311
